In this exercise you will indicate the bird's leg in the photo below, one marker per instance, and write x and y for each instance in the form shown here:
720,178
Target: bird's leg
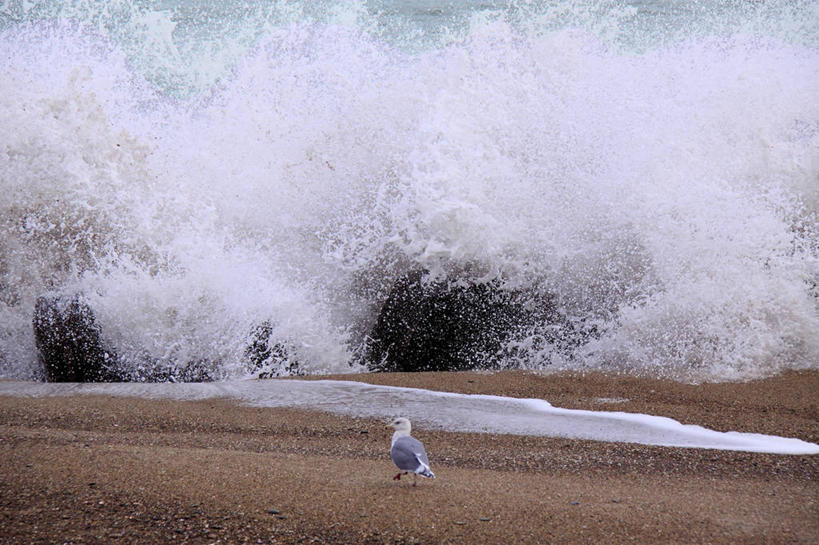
414,479
397,477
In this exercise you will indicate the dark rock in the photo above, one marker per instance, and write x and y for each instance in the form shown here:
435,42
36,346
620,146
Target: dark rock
268,358
71,349
194,371
453,325
152,370
68,342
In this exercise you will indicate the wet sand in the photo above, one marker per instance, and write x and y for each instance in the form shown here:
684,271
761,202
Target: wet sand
123,470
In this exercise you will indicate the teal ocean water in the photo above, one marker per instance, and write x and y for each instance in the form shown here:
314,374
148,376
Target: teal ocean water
194,169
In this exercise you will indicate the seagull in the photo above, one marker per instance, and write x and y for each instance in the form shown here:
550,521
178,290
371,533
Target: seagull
407,452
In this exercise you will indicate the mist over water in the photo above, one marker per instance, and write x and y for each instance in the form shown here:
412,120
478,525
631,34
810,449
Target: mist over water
197,169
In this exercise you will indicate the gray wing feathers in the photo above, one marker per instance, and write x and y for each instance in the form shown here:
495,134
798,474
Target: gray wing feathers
409,455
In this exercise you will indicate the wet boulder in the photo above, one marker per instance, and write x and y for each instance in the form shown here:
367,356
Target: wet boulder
155,370
68,341
450,325
70,348
266,357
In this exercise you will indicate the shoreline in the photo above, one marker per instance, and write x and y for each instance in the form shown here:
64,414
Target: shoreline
793,393
93,469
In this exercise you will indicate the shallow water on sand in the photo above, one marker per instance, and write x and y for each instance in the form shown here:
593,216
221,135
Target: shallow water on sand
443,410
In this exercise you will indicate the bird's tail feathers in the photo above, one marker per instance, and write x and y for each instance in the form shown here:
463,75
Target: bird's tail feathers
425,471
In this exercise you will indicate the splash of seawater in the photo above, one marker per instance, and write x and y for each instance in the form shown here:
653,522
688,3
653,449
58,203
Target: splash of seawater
197,172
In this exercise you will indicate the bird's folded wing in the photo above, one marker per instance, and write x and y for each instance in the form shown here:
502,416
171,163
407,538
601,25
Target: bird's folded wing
408,454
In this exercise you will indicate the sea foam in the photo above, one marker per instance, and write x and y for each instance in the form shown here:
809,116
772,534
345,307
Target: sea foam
194,178
441,410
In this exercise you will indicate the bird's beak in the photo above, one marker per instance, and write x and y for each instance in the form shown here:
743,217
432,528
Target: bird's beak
388,426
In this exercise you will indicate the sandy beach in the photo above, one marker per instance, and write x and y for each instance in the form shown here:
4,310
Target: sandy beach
126,470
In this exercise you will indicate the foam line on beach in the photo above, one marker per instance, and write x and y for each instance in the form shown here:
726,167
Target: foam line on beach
442,410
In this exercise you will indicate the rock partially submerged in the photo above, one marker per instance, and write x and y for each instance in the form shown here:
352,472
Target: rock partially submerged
155,370
71,348
453,324
69,343
267,357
